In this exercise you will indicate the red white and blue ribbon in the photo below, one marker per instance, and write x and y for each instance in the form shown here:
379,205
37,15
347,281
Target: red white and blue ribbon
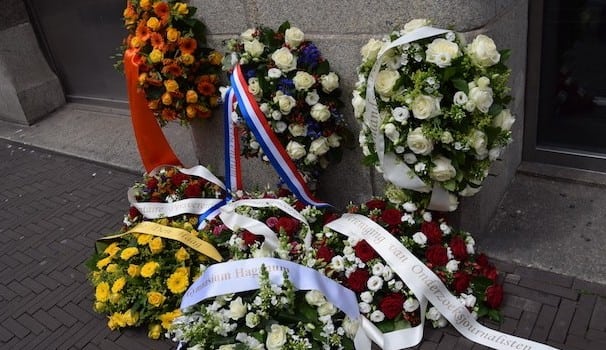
233,172
279,159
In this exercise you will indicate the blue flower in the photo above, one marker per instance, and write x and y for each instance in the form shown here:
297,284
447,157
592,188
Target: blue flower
250,73
310,56
286,86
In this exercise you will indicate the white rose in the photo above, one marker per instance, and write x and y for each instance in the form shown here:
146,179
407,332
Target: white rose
358,103
274,73
276,337
366,297
254,88
248,34
452,266
386,80
446,137
433,314
334,140
409,207
252,320
426,107
469,191
391,132
293,36
297,129
411,305
350,326
400,114
494,153
504,120
441,52
479,143
418,143
420,238
254,48
303,80
280,127
469,300
315,298
374,283
483,81
483,51
409,158
371,49
387,273
460,98
442,169
311,158
285,102
227,347
327,309
284,59
377,316
337,263
415,24
237,309
319,146
329,82
276,115
320,112
312,97
481,98
295,150
453,202
377,269
364,307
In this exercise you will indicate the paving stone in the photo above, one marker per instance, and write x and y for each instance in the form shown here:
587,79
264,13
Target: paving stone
562,321
582,314
554,289
544,321
598,318
30,323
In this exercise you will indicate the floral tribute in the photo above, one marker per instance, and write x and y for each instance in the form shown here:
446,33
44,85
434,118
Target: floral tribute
179,76
442,108
139,279
383,298
297,93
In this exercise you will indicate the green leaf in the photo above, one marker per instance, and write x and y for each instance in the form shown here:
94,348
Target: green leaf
449,72
495,315
495,109
461,85
505,54
401,324
386,326
450,185
323,68
283,27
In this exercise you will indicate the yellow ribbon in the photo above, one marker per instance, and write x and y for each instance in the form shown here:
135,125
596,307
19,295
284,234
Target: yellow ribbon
177,234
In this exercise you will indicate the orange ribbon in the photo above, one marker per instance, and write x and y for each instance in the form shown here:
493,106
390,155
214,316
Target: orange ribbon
153,147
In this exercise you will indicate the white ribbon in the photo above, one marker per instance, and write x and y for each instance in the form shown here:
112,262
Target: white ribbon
394,170
425,284
235,221
243,275
190,205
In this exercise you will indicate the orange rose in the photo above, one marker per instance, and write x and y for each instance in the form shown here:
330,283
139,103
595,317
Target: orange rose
172,34
167,99
171,85
191,96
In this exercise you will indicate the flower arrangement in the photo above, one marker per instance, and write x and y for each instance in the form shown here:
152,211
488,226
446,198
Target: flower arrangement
273,317
297,93
179,76
383,297
442,110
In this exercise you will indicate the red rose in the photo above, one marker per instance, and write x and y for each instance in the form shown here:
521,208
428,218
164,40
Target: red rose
392,305
364,251
494,295
250,238
325,253
193,190
299,205
490,272
461,282
152,183
133,212
178,178
437,255
289,225
330,217
392,217
432,231
376,204
458,248
357,280
283,192
482,260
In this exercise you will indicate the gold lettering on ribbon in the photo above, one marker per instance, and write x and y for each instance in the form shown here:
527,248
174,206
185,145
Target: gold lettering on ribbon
177,234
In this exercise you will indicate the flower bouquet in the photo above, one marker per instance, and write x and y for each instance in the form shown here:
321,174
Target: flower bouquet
179,76
297,93
384,299
433,111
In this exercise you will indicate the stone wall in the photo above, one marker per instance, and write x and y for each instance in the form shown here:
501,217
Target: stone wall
339,29
28,87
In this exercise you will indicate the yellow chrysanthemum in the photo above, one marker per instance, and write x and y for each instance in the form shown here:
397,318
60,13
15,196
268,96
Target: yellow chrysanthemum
167,318
163,221
149,269
131,317
99,306
95,276
104,262
133,270
177,283
116,320
114,298
118,285
172,34
112,268
183,270
102,292
155,331
129,253
181,254
144,239
153,23
171,85
156,245
112,249
155,298
156,56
